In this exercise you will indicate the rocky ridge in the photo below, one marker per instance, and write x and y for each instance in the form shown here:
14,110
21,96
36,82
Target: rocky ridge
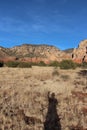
46,53
33,53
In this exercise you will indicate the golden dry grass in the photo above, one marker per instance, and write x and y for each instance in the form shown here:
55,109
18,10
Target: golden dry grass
27,88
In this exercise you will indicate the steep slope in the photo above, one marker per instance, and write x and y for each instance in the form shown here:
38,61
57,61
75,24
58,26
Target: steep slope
6,54
3,52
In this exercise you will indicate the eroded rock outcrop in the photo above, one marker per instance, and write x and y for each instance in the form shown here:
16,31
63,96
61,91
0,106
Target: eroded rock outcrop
34,53
45,53
80,54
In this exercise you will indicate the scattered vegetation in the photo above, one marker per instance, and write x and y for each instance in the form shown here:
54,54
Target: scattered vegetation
18,64
54,63
67,64
41,63
12,64
24,65
84,65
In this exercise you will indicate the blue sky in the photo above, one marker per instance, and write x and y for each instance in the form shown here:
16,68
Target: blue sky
62,23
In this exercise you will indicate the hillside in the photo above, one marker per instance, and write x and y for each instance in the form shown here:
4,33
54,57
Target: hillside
46,53
69,50
3,52
34,53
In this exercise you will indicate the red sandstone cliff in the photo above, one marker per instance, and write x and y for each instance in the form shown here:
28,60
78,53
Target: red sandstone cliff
80,54
46,53
33,53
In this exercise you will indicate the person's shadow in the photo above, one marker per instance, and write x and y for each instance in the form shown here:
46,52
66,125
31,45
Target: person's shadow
52,121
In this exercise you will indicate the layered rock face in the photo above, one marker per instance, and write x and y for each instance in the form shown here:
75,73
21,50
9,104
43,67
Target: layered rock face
45,53
3,52
35,53
80,54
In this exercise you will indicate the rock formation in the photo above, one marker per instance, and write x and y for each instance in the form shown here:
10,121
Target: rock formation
45,53
33,53
80,54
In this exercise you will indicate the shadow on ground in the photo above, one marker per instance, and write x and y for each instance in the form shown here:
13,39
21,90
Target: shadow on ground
52,121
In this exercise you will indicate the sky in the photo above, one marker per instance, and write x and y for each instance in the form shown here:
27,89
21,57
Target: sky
62,23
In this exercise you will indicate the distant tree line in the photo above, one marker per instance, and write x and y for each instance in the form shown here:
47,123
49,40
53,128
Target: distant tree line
64,64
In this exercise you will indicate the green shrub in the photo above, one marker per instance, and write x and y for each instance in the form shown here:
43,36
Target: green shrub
41,63
67,64
1,64
84,65
54,63
12,64
24,65
18,64
34,64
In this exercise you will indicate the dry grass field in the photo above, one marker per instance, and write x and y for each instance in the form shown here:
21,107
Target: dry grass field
24,102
